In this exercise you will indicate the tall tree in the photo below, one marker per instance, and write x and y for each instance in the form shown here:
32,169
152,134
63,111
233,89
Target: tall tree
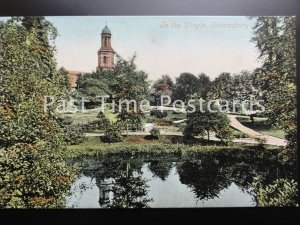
186,87
33,172
275,38
221,87
162,86
204,85
132,86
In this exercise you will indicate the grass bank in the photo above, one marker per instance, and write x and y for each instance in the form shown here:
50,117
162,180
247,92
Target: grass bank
262,125
93,146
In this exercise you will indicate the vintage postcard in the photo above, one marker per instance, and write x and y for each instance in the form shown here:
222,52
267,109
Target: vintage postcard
148,112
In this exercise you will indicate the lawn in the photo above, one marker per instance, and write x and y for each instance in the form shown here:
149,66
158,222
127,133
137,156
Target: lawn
261,125
89,115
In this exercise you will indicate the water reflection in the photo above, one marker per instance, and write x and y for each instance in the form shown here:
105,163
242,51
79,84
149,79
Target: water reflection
127,180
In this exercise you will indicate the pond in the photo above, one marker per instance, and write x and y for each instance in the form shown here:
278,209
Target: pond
136,180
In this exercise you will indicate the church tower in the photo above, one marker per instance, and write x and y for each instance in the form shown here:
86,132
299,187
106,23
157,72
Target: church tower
106,53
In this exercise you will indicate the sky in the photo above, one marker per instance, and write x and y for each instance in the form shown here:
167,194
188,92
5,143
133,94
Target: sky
163,45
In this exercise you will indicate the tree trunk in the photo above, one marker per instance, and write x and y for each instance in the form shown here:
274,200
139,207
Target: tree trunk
207,134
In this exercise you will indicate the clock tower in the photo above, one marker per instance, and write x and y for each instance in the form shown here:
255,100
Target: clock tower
106,53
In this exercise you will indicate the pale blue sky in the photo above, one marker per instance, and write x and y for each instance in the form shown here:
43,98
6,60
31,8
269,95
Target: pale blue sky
159,50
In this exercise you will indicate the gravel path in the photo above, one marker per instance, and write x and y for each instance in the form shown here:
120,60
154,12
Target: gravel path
254,134
233,122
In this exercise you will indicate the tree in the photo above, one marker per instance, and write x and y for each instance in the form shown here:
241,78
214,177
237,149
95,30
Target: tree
130,86
275,38
102,121
92,86
162,86
201,122
221,87
33,172
204,85
186,86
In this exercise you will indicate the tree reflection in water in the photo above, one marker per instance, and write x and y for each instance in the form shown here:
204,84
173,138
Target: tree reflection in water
120,182
204,177
119,176
160,168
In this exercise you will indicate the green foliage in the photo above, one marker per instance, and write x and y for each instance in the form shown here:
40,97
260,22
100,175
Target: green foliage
221,87
113,133
130,85
225,134
33,173
155,133
34,176
280,193
73,134
235,89
103,122
204,84
187,86
162,86
158,113
275,38
199,122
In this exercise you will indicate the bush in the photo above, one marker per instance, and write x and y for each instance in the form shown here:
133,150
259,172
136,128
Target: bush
280,193
73,135
34,176
103,122
112,134
239,134
158,113
92,126
181,126
225,134
155,133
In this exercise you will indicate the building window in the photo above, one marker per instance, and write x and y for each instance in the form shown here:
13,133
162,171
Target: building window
104,59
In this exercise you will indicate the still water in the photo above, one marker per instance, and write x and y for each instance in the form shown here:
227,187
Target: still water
127,180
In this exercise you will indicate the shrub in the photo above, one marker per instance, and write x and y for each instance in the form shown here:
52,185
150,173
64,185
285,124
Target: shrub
282,192
73,135
239,134
225,134
158,113
155,133
92,126
103,122
34,176
112,134
181,126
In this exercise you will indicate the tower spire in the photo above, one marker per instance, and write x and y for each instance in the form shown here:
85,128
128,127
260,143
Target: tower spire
106,52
